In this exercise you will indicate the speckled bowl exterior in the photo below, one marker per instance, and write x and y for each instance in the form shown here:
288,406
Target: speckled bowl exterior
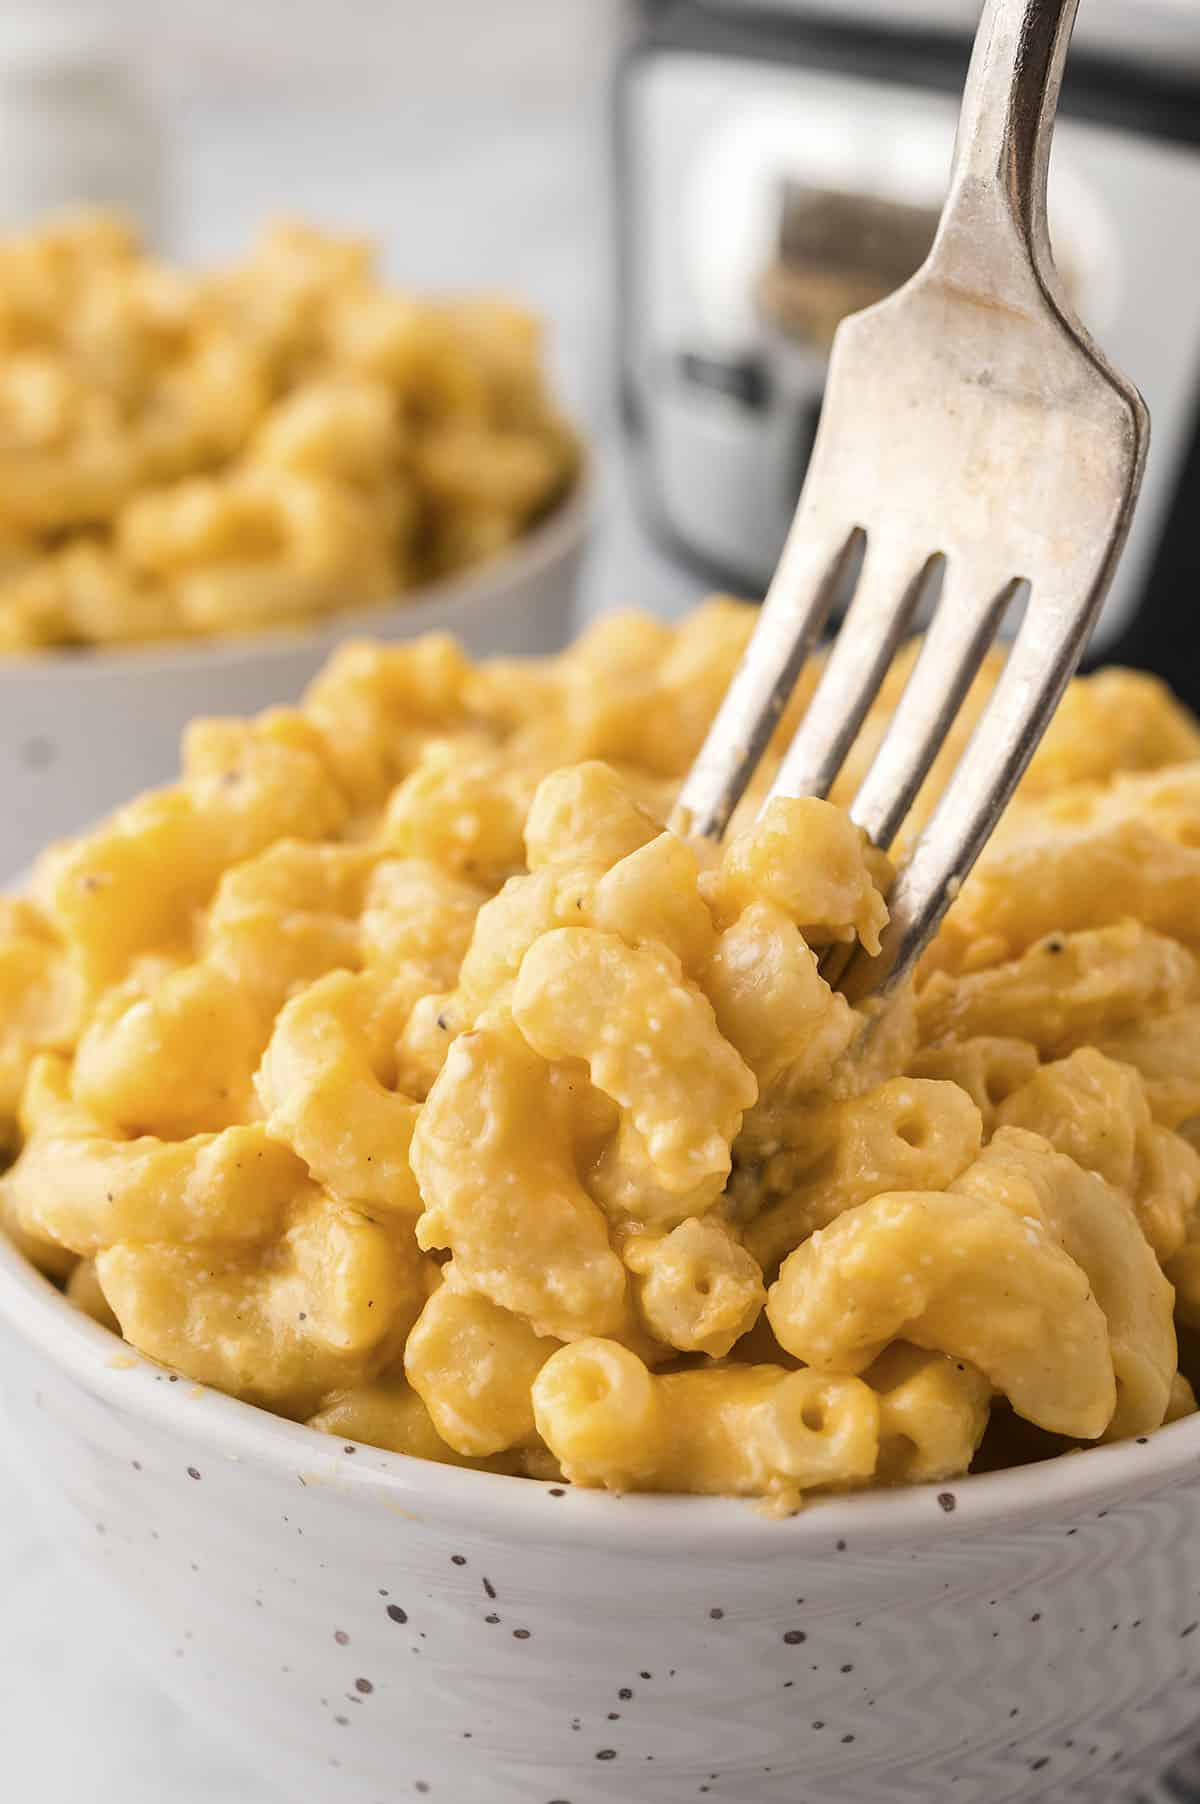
378,1628
81,732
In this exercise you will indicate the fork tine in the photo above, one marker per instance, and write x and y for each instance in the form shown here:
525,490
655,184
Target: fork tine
1038,668
860,659
812,573
956,643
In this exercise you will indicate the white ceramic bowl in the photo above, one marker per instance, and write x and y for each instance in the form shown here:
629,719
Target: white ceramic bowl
378,1628
82,732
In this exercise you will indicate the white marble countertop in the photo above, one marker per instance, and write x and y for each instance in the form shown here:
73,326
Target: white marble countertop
467,184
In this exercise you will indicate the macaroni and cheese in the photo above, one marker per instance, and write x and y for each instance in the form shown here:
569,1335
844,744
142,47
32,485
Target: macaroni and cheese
399,1071
192,453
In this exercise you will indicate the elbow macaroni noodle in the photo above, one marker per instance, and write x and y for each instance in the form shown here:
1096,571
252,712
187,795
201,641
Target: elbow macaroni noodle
398,1071
185,454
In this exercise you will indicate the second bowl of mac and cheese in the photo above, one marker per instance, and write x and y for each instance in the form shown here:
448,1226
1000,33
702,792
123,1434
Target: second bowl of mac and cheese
207,477
605,1332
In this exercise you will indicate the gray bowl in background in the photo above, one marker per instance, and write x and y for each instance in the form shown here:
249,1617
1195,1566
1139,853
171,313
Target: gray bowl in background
82,731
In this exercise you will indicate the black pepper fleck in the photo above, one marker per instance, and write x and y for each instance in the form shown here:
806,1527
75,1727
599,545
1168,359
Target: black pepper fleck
606,1754
1190,1630
341,1637
794,1637
192,1472
520,1634
364,1686
38,752
947,1501
489,1588
1035,1766
458,1559
396,1613
625,1693
493,1618
716,1615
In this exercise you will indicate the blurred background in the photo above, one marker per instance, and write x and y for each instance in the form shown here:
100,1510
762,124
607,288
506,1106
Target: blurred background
470,139
783,163
691,192
692,195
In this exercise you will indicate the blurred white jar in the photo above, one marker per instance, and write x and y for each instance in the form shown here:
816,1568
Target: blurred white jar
76,127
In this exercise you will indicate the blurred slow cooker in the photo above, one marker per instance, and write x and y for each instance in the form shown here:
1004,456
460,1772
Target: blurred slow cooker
779,165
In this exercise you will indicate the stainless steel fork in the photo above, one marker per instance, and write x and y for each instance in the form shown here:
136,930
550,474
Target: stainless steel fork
972,437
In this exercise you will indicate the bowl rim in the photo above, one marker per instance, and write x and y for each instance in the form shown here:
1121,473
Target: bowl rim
431,608
1058,1491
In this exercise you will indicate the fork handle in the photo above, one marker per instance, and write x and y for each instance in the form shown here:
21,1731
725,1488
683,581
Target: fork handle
1002,150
